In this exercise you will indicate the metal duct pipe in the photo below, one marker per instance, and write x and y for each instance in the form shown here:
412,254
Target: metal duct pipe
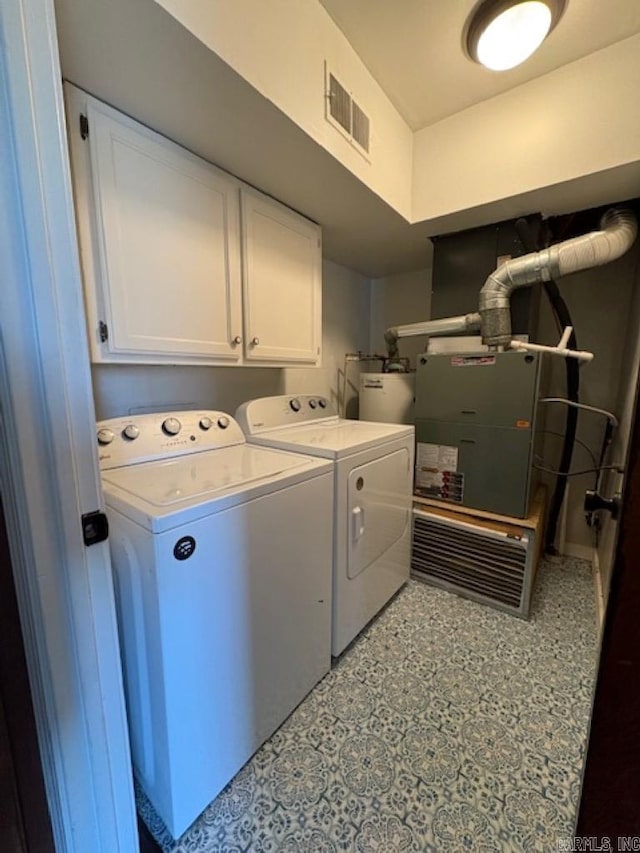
432,328
619,229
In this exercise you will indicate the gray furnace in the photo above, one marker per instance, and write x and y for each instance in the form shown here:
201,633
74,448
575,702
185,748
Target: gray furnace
475,428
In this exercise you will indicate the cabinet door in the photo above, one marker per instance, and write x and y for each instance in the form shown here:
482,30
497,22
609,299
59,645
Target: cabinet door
167,253
281,282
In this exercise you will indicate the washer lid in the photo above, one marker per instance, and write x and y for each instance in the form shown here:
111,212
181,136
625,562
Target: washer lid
334,439
154,493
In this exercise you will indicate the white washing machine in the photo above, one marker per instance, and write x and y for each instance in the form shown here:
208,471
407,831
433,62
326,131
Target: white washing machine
373,466
222,563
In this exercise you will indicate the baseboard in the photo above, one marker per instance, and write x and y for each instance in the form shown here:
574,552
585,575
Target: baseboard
585,552
580,552
599,592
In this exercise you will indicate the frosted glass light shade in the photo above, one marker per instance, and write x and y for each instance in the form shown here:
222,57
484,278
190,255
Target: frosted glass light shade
503,34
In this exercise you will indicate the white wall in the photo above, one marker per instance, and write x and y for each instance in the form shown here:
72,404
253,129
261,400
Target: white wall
346,300
280,48
520,151
125,389
579,120
122,389
567,141
396,300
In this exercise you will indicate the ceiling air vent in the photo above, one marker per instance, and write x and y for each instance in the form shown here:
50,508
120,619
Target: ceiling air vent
347,116
484,561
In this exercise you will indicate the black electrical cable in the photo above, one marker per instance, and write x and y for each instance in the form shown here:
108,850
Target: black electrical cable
606,441
563,318
596,464
580,473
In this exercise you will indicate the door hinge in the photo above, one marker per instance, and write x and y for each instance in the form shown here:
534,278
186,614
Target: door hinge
84,126
95,527
103,331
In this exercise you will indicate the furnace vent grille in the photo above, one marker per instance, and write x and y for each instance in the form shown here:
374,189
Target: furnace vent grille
474,560
347,116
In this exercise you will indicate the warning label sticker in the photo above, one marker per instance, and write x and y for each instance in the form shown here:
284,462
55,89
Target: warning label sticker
472,360
436,472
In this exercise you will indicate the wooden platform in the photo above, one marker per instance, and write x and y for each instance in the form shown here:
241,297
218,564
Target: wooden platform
534,521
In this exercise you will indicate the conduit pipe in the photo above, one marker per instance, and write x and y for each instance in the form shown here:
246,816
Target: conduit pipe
561,349
433,328
618,232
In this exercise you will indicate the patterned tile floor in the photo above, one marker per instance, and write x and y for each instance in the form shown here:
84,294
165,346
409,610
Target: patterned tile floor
446,726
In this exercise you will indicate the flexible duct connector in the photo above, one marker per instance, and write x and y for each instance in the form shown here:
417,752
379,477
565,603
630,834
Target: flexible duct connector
618,232
433,328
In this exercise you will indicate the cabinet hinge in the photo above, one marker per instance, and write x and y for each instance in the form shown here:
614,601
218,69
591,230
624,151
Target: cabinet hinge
84,126
103,331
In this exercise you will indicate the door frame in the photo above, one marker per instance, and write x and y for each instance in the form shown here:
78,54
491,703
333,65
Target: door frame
610,791
49,474
26,824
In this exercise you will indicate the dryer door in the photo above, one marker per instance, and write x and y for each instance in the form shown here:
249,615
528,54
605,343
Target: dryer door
378,504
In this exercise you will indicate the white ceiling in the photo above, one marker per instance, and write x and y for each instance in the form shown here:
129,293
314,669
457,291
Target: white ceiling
413,48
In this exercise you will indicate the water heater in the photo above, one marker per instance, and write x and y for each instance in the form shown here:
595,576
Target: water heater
387,397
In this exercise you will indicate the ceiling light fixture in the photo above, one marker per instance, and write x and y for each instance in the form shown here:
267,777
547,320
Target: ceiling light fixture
501,34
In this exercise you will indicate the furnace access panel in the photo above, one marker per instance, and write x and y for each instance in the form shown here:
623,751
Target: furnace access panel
475,427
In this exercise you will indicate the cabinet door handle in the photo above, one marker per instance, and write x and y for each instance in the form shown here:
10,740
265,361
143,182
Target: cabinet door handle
255,342
237,340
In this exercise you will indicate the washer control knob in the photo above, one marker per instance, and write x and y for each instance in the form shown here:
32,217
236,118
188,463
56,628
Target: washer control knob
312,404
105,436
322,403
131,431
171,426
206,423
223,422
295,404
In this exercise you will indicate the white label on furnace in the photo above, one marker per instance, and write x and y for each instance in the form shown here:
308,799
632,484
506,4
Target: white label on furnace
436,473
432,460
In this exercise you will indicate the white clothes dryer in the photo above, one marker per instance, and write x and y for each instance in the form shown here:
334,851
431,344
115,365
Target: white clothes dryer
222,564
373,465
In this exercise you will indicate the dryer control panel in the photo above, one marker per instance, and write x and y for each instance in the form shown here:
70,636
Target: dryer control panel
141,438
267,413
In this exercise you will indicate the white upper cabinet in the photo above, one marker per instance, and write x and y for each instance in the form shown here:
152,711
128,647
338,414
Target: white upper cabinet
281,257
161,251
159,233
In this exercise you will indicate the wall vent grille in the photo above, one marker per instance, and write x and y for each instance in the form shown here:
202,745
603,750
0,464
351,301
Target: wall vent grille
347,116
474,560
360,126
339,104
